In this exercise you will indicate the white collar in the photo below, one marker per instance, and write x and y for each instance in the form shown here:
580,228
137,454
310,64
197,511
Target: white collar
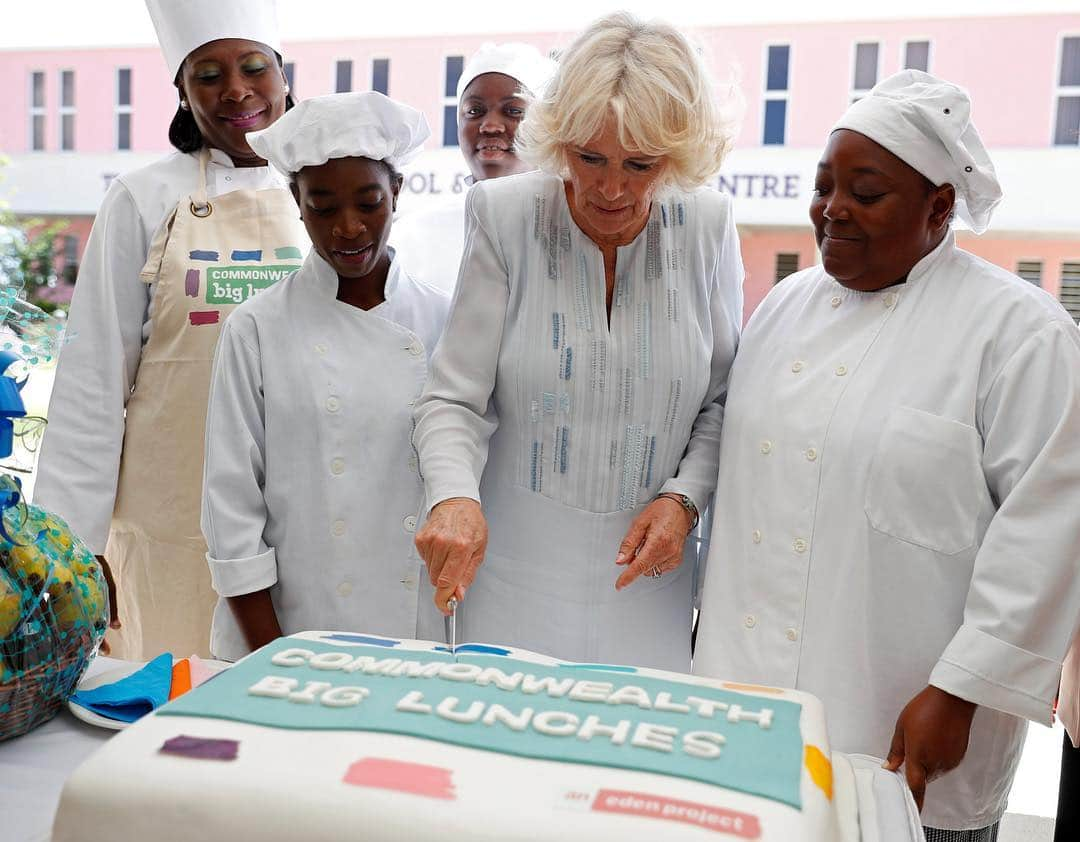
923,268
326,279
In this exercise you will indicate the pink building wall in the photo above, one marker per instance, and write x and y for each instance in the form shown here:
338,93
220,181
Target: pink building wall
1008,63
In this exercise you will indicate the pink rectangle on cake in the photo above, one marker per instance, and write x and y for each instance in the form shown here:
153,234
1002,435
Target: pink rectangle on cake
200,672
204,317
415,778
743,825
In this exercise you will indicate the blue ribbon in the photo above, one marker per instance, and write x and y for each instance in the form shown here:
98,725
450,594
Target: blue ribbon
9,499
11,402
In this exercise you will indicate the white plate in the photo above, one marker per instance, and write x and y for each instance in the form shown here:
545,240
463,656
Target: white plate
108,677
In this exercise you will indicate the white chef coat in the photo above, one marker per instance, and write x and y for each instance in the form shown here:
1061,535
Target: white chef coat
575,424
897,506
311,485
110,320
432,240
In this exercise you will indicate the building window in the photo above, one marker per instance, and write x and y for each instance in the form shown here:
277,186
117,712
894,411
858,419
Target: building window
777,75
917,55
380,76
289,69
343,76
123,108
1067,124
866,69
67,110
787,263
775,120
454,66
1070,288
37,110
71,258
1030,271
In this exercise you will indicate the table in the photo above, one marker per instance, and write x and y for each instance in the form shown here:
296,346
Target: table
33,768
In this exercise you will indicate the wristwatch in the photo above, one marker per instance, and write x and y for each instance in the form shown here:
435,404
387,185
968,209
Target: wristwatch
683,501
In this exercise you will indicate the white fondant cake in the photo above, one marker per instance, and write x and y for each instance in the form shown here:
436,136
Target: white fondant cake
329,736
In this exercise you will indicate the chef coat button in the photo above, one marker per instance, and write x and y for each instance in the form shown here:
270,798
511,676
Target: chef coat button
409,582
766,447
799,545
344,589
811,454
320,348
339,527
841,370
337,466
835,301
890,299
756,535
228,178
416,349
410,523
797,366
412,402
750,621
332,404
792,634
413,464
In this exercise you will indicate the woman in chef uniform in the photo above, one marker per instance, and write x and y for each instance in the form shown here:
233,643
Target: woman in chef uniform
578,392
175,246
494,92
896,524
312,488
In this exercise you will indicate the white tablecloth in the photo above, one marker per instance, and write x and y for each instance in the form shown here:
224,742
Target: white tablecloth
33,769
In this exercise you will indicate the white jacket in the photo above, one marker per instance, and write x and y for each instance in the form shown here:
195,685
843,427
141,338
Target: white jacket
311,483
897,507
110,320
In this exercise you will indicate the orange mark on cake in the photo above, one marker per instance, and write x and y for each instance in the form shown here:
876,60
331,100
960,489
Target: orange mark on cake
752,688
181,679
820,769
414,778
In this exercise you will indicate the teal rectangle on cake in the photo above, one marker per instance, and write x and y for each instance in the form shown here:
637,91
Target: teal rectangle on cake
287,252
236,284
496,703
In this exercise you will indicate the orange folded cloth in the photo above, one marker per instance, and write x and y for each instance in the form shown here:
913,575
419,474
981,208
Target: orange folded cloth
181,679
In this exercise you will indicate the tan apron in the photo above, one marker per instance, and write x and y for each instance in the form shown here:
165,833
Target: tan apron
205,259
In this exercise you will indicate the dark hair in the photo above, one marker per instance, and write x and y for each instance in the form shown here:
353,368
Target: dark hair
185,135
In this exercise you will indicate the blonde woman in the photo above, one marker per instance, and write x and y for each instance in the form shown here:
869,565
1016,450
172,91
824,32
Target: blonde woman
569,431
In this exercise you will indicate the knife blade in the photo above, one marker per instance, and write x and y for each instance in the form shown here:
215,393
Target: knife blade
450,625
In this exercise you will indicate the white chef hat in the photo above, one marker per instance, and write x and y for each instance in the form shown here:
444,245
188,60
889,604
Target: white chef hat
518,61
926,123
185,25
353,125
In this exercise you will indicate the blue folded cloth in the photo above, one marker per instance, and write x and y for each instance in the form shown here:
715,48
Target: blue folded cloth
133,697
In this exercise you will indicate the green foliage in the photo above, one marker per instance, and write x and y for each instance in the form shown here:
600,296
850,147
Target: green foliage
28,253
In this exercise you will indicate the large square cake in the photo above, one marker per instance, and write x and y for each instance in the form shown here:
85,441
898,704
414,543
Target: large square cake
326,736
